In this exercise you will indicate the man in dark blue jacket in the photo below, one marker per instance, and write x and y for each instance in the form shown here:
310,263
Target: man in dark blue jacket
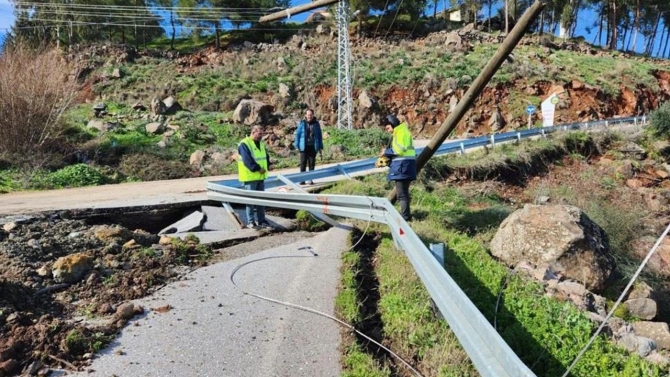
402,169
309,141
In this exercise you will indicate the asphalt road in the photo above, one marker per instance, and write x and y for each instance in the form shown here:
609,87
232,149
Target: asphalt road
214,329
135,194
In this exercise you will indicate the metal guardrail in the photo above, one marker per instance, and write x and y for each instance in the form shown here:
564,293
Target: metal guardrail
459,146
488,351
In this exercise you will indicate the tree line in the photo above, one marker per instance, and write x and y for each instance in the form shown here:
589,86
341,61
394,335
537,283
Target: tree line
618,24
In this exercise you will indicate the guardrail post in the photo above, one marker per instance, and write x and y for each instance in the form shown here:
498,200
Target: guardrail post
565,128
493,140
518,136
542,131
606,124
644,119
437,249
462,148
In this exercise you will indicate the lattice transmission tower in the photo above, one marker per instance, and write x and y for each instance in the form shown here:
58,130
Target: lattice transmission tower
344,119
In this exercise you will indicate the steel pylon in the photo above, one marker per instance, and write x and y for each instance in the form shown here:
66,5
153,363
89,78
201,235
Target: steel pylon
344,117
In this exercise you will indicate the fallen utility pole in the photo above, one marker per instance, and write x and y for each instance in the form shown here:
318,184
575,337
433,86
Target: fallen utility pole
296,10
478,85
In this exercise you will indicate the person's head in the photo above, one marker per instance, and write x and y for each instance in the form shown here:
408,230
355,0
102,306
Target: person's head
309,115
257,133
391,123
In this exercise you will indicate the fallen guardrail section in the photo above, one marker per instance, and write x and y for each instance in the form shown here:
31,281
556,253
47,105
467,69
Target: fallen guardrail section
488,351
459,146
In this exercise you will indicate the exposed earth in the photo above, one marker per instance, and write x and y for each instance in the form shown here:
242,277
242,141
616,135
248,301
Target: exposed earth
47,322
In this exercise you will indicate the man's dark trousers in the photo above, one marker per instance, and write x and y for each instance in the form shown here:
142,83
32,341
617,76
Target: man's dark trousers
307,158
402,189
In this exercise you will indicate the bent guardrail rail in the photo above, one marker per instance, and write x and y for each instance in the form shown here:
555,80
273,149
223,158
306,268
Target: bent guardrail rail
489,353
348,168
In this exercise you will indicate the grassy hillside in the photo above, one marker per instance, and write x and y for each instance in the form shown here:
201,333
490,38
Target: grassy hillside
415,78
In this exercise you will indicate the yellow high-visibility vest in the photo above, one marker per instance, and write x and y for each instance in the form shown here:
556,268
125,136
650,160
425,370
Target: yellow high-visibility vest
402,144
261,157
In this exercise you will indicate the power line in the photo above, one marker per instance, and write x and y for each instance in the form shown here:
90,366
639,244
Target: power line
145,11
139,13
84,23
24,4
140,17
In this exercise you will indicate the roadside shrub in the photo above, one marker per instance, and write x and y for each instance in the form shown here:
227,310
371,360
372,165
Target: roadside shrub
309,223
659,122
357,143
75,342
34,93
75,176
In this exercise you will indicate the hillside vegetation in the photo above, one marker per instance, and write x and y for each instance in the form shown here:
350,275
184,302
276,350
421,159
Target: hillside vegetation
420,79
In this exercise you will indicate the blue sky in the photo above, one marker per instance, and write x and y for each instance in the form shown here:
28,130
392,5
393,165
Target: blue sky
586,20
6,18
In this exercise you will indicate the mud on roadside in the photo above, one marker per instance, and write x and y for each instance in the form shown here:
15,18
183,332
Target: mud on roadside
53,319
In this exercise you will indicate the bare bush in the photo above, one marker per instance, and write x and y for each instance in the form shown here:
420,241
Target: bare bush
35,91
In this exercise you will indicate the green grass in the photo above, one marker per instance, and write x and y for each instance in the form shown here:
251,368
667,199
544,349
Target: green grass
403,66
183,45
518,103
482,162
10,180
346,305
605,72
409,319
78,342
129,153
358,363
546,334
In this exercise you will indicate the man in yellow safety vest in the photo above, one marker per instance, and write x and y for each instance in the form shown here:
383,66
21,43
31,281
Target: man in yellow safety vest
253,164
402,169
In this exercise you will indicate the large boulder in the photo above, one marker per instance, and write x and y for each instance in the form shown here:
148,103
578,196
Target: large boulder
365,100
101,125
171,105
559,235
497,121
252,112
658,331
157,107
285,91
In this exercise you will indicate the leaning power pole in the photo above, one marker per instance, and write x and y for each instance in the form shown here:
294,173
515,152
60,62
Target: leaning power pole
344,119
478,85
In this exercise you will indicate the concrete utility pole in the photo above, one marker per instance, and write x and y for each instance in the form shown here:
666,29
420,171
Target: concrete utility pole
296,10
478,85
